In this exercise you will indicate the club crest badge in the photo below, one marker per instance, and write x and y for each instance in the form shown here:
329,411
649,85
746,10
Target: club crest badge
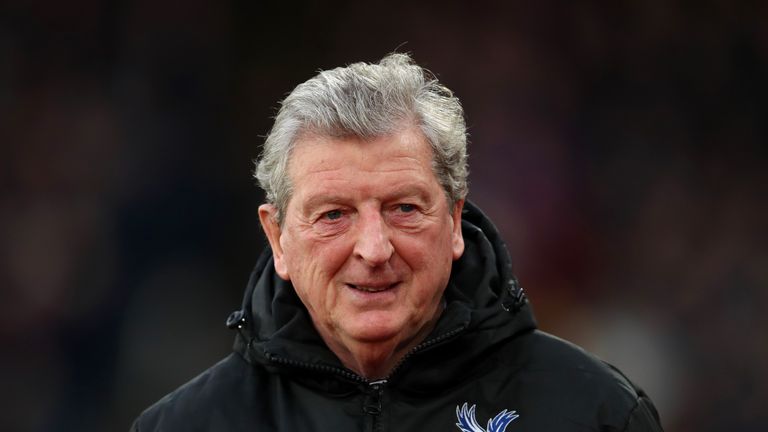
468,423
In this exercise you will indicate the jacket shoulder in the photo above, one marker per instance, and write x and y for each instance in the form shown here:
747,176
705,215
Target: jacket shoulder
580,383
209,398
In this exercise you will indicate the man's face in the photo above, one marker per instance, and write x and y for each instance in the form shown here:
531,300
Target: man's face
368,238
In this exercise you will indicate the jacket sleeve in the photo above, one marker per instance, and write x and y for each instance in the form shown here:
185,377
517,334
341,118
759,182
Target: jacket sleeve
644,417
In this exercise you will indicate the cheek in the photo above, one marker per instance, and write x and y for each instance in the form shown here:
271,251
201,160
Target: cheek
326,257
430,259
313,265
307,252
430,247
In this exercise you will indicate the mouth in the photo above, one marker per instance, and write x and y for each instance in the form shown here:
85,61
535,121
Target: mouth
372,288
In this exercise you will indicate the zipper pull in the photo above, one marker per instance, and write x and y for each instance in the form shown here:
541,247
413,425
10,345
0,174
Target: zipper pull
372,403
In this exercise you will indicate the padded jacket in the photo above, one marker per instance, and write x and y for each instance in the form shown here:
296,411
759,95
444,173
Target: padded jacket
484,367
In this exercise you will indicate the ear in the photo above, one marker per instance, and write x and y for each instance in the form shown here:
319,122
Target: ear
268,218
458,238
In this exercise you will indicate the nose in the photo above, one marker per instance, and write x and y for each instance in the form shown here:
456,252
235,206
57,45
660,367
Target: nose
373,245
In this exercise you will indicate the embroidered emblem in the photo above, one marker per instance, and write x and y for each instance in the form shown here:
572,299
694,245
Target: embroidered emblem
468,423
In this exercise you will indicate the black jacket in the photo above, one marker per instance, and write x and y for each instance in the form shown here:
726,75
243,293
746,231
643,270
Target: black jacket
485,367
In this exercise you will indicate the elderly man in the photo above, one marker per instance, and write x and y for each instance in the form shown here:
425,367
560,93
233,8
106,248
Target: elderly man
386,302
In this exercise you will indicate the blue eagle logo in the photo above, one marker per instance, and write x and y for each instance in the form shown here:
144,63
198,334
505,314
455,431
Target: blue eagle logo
468,423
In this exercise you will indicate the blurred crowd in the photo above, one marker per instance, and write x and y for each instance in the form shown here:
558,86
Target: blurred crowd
620,148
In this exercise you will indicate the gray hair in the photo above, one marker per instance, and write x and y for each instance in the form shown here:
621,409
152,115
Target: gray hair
368,101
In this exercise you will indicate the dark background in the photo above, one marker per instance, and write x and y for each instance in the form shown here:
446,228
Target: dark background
619,146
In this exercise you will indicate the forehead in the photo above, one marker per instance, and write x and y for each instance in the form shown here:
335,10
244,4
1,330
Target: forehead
350,163
321,152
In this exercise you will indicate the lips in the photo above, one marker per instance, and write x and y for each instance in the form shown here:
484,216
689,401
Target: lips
372,288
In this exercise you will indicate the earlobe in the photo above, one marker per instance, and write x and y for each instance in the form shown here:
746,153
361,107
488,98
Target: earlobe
268,219
457,237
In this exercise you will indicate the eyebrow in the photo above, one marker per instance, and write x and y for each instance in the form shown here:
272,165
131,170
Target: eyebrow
409,191
321,199
412,190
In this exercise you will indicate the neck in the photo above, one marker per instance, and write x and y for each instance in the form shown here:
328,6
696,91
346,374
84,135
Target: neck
377,360
372,360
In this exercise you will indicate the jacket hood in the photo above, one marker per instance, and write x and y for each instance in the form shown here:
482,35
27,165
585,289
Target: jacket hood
484,306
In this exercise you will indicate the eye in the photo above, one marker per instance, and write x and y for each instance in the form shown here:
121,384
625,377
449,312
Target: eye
333,214
406,208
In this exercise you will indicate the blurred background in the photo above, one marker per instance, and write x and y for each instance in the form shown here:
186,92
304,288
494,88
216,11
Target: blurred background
619,146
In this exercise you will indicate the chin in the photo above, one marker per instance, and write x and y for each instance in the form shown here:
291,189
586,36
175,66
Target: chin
380,329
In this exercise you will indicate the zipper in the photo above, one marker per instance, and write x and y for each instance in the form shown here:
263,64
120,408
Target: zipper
424,345
373,403
317,367
374,393
374,396
355,377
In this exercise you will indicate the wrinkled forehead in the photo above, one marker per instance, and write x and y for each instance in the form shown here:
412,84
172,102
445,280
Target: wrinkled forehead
415,143
402,155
